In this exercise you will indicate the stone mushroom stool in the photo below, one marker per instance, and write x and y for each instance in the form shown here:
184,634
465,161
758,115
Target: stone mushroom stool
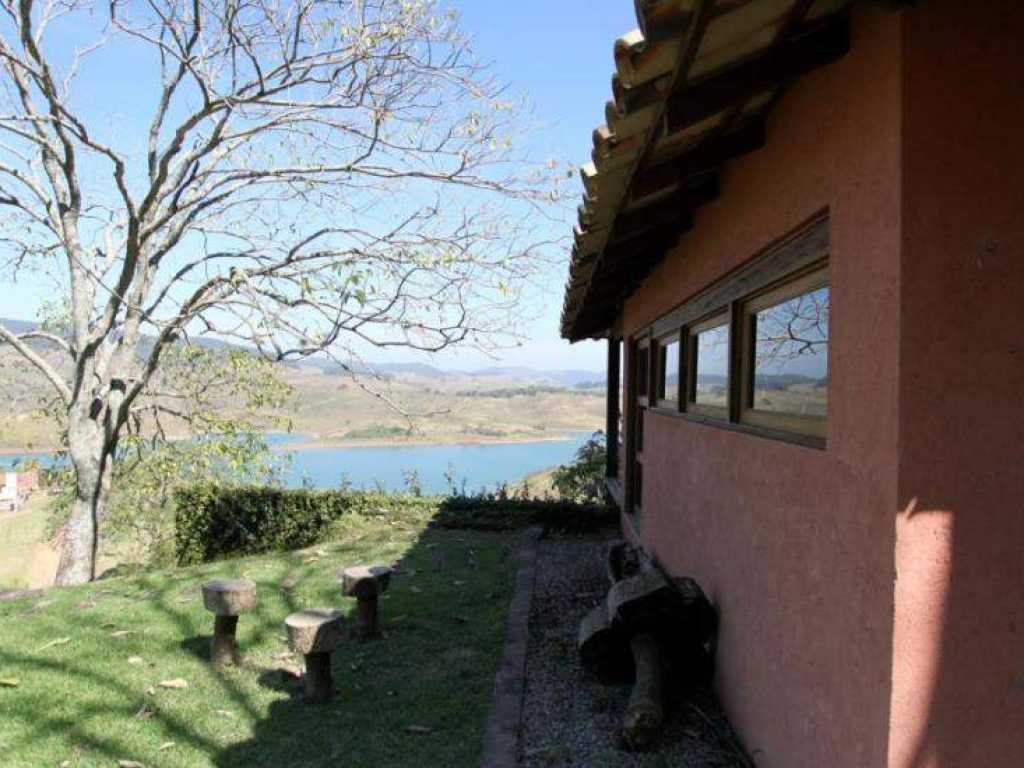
365,583
227,599
315,633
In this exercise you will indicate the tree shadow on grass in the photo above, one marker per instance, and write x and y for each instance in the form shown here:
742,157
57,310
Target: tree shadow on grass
419,696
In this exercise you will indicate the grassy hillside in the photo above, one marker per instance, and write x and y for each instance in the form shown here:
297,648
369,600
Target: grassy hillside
335,409
25,559
81,669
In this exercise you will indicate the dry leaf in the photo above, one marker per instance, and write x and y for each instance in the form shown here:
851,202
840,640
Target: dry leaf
122,632
136,660
224,712
9,682
129,764
52,643
176,684
165,746
419,729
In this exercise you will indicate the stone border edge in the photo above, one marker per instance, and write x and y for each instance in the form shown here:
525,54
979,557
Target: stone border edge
501,737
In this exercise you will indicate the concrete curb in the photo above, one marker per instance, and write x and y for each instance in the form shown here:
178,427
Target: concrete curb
501,739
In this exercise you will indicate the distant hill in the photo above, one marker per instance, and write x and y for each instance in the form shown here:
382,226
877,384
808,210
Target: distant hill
565,378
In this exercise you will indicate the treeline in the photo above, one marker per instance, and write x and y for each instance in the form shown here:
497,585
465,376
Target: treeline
530,391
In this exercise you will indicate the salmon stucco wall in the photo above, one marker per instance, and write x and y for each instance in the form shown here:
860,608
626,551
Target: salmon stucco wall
958,679
795,544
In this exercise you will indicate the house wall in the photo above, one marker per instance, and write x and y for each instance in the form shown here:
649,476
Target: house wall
795,544
958,682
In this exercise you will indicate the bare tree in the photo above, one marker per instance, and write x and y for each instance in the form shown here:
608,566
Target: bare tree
314,175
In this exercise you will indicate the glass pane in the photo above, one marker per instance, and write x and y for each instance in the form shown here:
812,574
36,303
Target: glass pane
712,380
791,356
641,372
622,390
668,373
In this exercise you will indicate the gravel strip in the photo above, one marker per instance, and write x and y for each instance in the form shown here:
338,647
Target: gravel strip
569,718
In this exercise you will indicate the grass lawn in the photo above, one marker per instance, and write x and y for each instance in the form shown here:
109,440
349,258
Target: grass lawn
25,560
80,668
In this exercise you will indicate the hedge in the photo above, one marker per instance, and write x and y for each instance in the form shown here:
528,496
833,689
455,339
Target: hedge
216,521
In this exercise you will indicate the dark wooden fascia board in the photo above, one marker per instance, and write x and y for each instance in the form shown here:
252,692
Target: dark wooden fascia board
806,49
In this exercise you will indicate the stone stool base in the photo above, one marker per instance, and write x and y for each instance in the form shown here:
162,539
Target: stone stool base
223,645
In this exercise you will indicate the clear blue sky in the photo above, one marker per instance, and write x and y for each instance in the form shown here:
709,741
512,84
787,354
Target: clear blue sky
560,54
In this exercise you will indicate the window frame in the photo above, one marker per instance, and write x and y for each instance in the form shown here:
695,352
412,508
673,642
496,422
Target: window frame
806,281
660,344
720,319
772,273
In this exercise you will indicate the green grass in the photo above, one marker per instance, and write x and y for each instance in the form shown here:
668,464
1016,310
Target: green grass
84,689
25,561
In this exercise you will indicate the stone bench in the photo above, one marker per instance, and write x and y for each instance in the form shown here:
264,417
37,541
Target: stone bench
366,583
227,599
316,633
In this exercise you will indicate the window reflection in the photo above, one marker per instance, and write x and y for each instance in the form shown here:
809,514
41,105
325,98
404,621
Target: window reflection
791,355
668,371
711,375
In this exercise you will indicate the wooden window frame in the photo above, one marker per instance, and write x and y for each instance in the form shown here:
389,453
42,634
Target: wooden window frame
778,270
806,281
642,344
720,319
660,371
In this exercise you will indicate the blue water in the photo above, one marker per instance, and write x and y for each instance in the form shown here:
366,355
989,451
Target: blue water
473,466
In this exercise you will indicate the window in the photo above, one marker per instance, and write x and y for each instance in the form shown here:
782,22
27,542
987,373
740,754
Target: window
709,367
751,351
642,372
786,365
667,376
622,393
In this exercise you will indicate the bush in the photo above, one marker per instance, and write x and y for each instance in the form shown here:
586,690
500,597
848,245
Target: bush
494,513
583,478
216,521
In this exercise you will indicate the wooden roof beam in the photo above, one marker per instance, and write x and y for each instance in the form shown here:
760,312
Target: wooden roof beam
675,207
708,157
806,49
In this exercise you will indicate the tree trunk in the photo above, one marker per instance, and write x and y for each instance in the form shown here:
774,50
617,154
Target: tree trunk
92,466
78,554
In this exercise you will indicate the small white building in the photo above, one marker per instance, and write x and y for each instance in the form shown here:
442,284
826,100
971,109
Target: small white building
16,489
9,501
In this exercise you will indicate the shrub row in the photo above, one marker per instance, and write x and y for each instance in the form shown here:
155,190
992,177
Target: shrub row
216,521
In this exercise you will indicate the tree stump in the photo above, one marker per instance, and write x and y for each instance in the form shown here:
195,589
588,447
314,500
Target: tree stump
645,715
603,649
652,629
365,583
227,599
316,633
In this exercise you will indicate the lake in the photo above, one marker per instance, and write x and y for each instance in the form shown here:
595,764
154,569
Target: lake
474,466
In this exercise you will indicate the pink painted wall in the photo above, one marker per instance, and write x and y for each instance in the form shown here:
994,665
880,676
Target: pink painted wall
958,677
796,544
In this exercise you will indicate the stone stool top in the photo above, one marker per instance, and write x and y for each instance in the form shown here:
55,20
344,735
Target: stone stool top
229,597
362,581
314,630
